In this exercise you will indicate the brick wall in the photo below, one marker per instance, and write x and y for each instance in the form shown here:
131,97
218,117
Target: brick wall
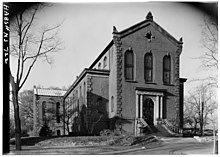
159,47
38,115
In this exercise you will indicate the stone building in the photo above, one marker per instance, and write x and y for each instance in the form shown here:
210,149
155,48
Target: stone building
132,86
48,108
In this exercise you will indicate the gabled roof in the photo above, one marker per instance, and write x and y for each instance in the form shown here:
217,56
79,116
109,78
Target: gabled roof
102,54
48,92
148,21
121,34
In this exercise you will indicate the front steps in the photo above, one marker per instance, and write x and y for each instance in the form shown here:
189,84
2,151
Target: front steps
163,128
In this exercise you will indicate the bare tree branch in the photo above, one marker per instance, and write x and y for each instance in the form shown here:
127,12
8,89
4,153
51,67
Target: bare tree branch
38,55
22,59
19,46
199,105
29,25
210,42
30,67
25,44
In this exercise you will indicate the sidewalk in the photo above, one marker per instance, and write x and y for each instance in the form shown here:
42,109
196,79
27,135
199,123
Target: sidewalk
191,146
177,140
189,151
197,151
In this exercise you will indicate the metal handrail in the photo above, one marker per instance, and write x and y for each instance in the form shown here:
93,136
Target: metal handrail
142,121
171,127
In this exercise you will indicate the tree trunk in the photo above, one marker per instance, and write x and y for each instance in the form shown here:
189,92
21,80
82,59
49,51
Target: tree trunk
201,120
67,127
17,119
195,126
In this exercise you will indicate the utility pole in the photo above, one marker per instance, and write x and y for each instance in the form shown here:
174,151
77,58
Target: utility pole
215,149
201,110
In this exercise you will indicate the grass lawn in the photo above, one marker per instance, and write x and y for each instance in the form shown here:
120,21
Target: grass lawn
99,140
87,140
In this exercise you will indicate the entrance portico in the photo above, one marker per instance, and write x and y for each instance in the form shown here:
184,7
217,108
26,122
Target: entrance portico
149,107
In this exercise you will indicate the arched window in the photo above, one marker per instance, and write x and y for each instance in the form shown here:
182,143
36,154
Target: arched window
77,94
58,112
166,69
148,67
84,89
105,62
80,91
129,65
44,110
99,66
99,101
58,132
112,104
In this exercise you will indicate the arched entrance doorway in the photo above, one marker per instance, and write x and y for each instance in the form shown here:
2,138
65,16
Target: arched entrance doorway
148,111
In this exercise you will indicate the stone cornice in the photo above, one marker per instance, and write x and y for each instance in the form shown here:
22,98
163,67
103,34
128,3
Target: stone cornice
82,75
143,24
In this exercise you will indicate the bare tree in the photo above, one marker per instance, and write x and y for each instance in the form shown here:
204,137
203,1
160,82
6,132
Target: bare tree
209,59
191,116
210,42
199,106
27,46
69,113
97,115
95,119
26,109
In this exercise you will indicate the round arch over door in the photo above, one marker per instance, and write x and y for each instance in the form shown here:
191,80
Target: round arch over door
148,111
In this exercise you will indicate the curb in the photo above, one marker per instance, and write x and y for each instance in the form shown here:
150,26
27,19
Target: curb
122,151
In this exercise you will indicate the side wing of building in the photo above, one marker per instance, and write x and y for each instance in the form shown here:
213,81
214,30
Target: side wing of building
48,110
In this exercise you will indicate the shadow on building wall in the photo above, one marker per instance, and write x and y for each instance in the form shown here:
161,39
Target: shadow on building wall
93,118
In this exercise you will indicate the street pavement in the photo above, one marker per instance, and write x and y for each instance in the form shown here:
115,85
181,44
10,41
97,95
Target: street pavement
168,146
172,146
175,149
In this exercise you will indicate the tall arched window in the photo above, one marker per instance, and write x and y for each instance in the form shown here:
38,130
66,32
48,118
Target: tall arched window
58,112
112,104
76,95
167,69
44,110
84,89
99,66
148,67
129,65
105,62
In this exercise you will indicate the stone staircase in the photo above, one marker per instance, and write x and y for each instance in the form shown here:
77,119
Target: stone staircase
143,124
163,128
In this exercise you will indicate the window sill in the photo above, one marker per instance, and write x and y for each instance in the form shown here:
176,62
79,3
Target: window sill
131,81
150,83
168,84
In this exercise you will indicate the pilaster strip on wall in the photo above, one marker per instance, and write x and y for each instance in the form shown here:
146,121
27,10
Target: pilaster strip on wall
34,114
177,83
117,42
37,120
89,99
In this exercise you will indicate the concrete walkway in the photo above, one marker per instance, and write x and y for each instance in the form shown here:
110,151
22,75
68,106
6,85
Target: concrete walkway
197,140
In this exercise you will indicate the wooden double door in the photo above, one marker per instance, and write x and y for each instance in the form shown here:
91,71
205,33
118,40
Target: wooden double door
148,111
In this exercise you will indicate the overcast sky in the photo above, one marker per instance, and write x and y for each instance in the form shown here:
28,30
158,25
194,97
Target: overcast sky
87,29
